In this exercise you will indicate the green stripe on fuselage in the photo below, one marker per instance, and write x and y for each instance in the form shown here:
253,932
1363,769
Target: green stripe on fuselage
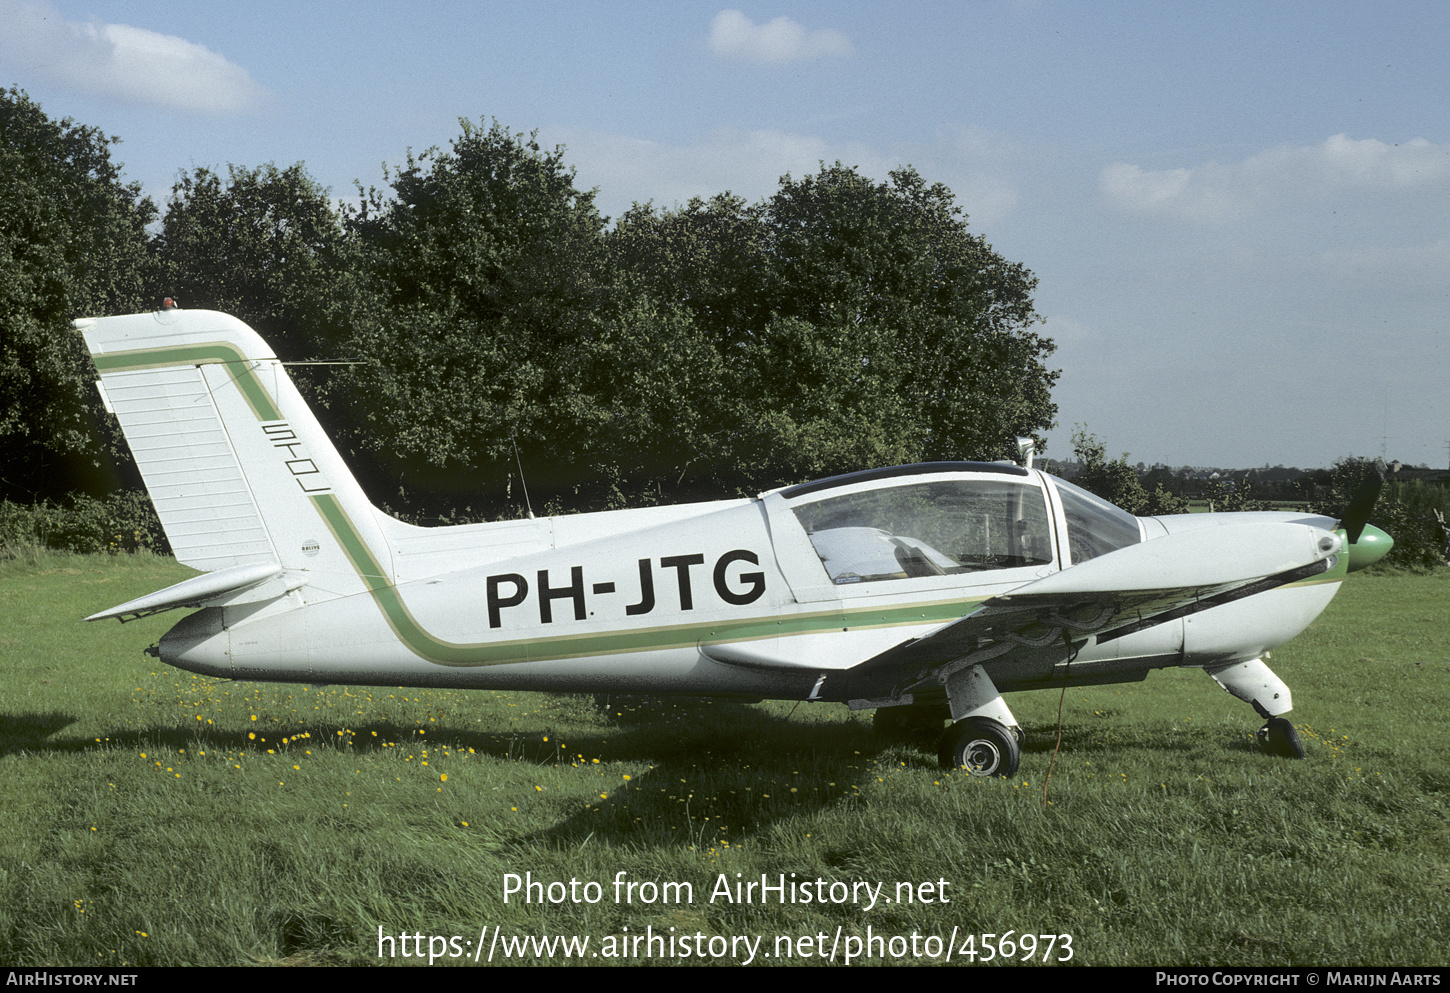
582,645
592,643
427,646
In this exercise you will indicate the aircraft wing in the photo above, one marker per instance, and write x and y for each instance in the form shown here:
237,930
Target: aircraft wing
1112,595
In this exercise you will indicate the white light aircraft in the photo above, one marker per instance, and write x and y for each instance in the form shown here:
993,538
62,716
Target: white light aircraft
918,591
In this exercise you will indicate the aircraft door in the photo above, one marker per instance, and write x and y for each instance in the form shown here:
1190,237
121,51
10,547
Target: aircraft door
939,534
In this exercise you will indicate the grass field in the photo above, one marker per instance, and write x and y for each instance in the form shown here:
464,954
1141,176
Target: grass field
149,817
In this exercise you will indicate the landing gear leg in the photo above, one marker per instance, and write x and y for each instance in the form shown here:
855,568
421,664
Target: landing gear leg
1255,684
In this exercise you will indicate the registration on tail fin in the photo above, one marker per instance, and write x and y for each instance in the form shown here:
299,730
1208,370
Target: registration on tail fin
243,478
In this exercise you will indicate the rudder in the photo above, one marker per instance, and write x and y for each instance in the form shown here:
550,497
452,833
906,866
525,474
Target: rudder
237,466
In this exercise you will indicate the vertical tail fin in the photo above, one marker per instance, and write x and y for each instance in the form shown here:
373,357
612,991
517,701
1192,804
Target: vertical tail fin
238,467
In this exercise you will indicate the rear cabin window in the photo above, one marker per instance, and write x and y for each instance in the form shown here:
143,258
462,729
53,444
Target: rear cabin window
938,528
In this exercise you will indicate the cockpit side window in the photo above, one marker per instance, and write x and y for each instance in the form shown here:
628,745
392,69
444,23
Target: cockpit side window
1094,526
938,528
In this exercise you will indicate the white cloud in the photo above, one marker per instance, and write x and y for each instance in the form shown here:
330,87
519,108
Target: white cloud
735,36
1168,191
122,62
1215,192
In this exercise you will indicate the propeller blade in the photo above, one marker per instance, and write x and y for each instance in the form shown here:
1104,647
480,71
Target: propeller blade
1361,505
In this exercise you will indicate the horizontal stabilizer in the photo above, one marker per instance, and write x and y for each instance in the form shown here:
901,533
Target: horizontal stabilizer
194,591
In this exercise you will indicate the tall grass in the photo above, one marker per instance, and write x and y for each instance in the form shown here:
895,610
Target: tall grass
152,817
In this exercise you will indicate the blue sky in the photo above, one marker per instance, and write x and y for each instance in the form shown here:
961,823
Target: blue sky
1237,211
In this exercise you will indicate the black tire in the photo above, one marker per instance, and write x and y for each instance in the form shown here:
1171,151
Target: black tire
1278,737
981,746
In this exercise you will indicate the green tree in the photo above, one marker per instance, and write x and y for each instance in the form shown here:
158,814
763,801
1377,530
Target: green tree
709,257
72,243
265,246
946,321
482,264
718,347
1233,496
1117,482
646,428
490,228
805,402
857,324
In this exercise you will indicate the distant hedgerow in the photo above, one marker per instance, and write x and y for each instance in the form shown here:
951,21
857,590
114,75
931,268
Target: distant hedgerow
123,522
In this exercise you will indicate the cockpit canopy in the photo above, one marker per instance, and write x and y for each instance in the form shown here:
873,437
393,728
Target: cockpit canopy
929,529
906,524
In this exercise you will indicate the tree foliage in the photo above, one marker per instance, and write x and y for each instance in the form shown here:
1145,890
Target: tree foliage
491,228
937,317
857,324
720,346
1225,498
1117,482
72,243
717,347
481,263
265,246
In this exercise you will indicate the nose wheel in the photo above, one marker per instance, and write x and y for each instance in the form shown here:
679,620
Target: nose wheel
981,746
1278,737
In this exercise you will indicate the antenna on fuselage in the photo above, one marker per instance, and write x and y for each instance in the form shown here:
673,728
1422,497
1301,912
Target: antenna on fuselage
1027,447
517,461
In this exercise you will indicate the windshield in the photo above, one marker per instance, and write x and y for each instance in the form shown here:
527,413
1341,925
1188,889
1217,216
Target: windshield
1094,526
938,528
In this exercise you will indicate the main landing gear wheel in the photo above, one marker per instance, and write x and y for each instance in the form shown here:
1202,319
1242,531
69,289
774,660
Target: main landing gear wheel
980,745
1278,737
